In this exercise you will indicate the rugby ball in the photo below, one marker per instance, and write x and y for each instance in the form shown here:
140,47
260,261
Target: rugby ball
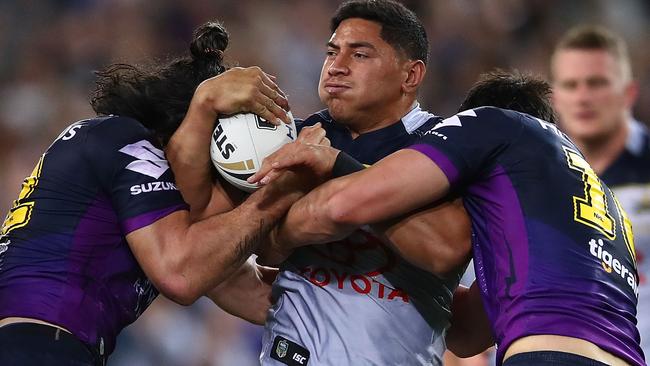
240,143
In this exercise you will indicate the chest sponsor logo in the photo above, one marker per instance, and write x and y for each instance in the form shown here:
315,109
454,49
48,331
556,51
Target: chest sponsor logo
613,265
152,187
348,254
150,160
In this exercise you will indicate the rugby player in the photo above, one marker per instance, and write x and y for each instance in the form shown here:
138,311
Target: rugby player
347,302
100,227
553,249
593,95
354,301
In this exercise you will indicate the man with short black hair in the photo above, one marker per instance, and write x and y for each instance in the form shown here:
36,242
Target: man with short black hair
353,300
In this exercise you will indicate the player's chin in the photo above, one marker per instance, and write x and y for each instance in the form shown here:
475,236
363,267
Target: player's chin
589,131
339,109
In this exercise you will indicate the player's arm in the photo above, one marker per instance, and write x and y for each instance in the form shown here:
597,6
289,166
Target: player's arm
470,332
186,259
436,238
399,183
247,293
188,151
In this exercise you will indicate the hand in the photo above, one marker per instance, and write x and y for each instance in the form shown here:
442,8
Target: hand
304,154
247,293
242,90
315,134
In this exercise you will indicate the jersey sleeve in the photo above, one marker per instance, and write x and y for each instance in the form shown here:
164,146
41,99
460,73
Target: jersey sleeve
467,145
133,171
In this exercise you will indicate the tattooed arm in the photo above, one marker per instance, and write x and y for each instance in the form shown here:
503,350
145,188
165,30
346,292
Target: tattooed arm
184,259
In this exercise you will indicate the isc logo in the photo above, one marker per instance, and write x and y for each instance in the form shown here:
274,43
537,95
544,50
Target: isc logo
300,359
220,138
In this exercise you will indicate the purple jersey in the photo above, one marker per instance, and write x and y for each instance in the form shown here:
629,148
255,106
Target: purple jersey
553,249
64,258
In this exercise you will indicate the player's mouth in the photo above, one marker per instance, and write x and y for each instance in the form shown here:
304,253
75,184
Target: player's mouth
335,87
586,115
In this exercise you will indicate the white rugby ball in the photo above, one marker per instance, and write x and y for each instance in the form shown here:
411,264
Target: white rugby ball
241,142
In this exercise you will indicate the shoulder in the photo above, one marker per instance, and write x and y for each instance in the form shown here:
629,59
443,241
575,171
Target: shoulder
639,140
493,114
322,116
418,121
487,119
100,131
116,126
116,131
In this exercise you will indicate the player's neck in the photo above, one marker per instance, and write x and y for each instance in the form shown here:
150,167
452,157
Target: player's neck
379,118
601,153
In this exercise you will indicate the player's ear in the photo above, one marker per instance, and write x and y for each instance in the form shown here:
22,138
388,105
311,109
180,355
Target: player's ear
414,71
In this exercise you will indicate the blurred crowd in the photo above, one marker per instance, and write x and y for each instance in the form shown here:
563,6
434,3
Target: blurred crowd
51,47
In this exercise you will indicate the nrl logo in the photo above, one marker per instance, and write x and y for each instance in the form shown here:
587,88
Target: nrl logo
281,349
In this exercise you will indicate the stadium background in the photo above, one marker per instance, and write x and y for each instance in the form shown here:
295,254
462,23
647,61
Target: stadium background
50,47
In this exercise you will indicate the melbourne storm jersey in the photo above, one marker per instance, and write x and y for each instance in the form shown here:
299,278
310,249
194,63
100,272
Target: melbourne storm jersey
553,249
64,257
629,178
355,302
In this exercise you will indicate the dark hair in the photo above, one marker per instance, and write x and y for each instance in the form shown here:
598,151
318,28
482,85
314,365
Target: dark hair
158,96
519,92
593,37
400,27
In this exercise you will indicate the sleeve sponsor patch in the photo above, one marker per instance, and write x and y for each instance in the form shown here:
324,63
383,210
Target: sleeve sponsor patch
289,353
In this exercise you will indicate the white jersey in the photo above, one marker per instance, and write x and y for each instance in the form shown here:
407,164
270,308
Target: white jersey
635,200
356,302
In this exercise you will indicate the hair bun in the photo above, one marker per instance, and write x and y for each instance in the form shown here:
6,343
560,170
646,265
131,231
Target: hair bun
210,40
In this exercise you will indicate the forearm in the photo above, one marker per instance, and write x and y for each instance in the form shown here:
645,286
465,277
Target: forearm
185,259
246,293
310,220
188,153
436,238
470,332
240,231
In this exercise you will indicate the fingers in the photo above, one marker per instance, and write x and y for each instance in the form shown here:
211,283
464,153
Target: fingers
270,177
277,165
265,169
325,142
277,94
312,134
276,114
277,100
246,90
272,162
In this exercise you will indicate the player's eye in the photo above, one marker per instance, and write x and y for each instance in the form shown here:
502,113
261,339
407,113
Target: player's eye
597,82
331,53
568,85
360,55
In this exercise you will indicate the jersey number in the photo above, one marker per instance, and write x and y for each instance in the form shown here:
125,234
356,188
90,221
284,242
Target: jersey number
21,211
591,209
